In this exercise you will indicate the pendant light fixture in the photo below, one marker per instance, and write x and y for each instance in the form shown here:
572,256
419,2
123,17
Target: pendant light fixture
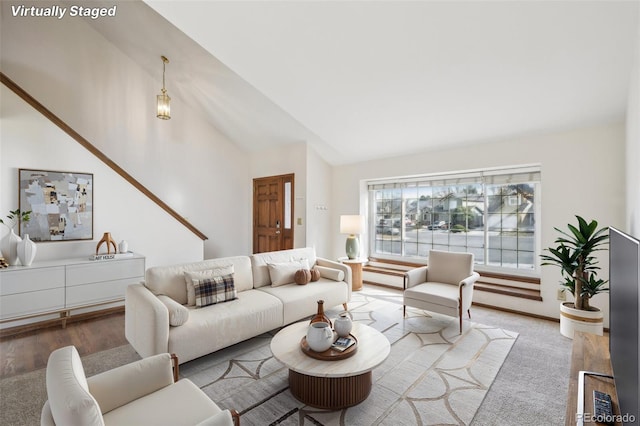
164,109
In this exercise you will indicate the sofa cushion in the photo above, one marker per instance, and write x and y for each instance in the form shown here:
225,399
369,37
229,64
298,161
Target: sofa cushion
218,289
178,314
223,418
191,276
436,293
159,408
259,262
121,385
69,398
170,281
284,272
300,301
217,326
447,267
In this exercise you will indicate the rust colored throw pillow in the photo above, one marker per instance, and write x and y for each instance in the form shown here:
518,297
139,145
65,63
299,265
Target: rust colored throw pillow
315,274
302,276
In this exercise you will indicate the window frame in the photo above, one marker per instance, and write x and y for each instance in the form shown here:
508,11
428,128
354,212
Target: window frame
514,175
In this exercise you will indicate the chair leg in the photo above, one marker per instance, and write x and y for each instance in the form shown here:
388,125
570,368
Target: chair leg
404,311
460,324
469,312
344,305
176,367
235,416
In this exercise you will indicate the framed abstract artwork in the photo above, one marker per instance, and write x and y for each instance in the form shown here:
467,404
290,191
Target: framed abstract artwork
61,205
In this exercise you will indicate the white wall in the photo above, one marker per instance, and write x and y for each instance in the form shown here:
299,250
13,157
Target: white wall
285,159
312,203
319,207
633,148
107,98
29,140
582,173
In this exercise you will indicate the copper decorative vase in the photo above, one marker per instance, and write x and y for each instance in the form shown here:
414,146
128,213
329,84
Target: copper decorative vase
106,239
320,316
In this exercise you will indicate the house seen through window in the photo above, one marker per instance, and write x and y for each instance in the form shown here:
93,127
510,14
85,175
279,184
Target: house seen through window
490,213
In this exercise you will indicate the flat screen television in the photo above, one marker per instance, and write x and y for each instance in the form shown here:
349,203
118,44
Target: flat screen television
624,320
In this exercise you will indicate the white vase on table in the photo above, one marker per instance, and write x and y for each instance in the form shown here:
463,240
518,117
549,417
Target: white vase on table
26,251
10,247
343,324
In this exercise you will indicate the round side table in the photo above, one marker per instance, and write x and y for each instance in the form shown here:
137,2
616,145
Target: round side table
356,271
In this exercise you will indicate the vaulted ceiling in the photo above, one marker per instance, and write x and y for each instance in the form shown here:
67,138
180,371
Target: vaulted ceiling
360,80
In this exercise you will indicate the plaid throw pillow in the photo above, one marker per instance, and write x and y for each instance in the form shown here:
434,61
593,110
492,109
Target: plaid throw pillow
214,290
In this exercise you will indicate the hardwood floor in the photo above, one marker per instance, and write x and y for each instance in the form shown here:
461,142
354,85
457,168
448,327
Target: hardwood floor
30,350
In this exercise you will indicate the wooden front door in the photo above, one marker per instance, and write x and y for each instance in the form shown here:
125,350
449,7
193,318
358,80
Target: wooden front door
273,213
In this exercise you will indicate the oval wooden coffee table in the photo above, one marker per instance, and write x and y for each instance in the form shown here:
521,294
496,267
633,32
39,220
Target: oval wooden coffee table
330,384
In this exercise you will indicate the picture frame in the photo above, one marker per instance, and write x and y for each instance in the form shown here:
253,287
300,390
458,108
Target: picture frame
61,205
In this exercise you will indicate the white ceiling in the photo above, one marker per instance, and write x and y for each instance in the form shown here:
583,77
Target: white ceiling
360,80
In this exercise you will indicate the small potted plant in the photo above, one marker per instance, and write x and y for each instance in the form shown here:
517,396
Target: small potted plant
574,255
10,240
16,217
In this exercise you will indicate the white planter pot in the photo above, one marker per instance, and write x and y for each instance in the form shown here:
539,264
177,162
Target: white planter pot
572,320
26,251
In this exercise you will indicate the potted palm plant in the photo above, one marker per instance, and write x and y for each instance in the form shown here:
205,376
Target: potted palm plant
574,255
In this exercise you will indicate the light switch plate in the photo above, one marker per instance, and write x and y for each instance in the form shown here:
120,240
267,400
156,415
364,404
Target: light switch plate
561,295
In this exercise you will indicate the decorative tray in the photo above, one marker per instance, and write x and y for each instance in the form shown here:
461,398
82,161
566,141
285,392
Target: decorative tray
330,354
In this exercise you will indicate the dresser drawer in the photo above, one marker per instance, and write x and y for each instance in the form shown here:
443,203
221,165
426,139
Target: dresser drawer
87,294
104,271
16,305
31,279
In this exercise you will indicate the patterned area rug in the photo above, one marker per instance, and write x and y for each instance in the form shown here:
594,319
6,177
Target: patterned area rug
433,375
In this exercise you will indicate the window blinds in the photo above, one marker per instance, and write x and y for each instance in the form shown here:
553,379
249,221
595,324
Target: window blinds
497,176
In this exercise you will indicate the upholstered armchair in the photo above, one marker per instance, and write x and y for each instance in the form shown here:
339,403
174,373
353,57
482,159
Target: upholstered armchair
444,286
145,392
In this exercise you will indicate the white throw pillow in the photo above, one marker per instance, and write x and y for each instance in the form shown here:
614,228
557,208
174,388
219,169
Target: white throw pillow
178,314
191,277
284,273
330,273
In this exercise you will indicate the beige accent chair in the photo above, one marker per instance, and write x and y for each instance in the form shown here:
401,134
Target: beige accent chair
444,286
145,392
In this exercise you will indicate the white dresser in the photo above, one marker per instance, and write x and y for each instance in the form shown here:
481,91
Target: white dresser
50,288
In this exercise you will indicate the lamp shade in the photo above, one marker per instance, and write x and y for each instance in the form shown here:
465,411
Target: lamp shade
351,224
164,107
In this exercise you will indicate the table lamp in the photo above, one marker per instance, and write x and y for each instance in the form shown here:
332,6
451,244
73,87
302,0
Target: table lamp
352,225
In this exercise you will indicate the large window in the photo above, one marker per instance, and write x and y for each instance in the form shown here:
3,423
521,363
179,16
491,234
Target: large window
490,213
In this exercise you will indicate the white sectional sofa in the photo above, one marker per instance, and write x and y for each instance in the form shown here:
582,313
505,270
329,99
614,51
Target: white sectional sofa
159,317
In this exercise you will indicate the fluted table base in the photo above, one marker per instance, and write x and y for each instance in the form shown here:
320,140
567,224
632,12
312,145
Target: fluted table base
330,392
